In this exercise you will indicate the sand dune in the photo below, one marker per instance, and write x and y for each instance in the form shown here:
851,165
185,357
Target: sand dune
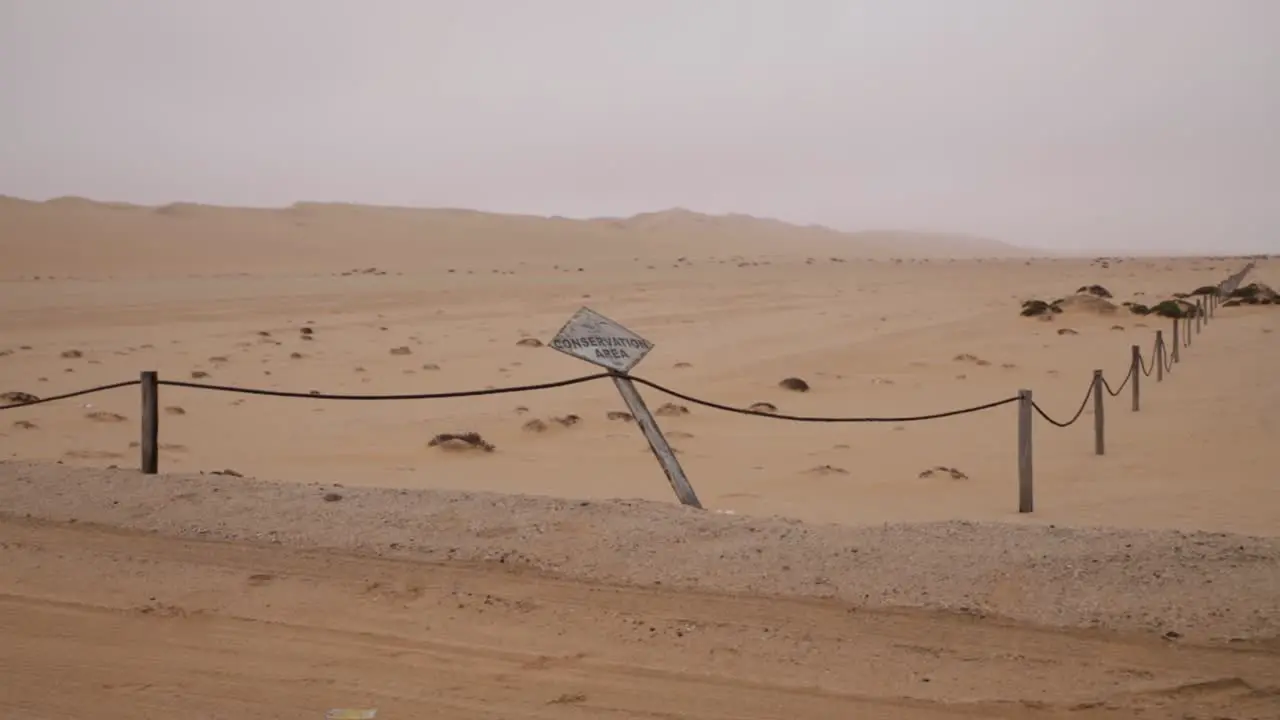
79,238
356,300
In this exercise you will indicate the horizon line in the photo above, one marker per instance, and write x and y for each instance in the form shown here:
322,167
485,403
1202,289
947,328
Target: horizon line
1049,252
673,209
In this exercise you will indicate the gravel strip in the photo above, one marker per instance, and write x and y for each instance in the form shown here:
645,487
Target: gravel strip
1202,586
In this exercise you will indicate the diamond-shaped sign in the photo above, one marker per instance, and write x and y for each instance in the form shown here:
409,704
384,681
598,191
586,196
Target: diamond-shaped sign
595,338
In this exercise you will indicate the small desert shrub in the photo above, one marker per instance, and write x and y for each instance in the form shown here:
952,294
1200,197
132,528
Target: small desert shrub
17,397
461,441
1038,308
955,473
827,470
1173,309
794,383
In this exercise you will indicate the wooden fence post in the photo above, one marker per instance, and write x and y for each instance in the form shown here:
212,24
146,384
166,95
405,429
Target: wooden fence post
1099,433
1137,374
657,442
150,422
1160,351
1026,502
1176,341
1199,314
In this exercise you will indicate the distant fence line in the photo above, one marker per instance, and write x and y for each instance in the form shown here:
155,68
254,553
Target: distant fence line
1161,362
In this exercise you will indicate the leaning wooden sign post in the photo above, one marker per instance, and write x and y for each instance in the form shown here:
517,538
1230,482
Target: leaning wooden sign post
595,338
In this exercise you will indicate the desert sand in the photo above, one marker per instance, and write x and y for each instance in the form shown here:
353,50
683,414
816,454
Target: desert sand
831,574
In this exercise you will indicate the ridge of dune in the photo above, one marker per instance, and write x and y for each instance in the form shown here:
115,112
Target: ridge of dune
80,237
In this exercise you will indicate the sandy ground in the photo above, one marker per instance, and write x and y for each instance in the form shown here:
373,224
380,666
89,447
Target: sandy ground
227,597
527,606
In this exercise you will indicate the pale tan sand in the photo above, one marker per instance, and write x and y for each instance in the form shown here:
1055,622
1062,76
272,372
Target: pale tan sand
266,598
733,306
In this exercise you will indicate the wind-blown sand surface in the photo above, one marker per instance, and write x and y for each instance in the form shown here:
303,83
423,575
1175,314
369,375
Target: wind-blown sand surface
420,591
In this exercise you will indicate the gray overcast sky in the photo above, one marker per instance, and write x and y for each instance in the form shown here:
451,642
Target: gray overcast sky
1112,124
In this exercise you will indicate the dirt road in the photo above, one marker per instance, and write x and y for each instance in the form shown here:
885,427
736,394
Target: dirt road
267,631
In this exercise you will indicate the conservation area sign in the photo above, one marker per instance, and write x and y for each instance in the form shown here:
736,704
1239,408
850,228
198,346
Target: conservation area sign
595,338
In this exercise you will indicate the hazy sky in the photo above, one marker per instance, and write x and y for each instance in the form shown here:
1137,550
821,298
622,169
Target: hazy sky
1120,124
